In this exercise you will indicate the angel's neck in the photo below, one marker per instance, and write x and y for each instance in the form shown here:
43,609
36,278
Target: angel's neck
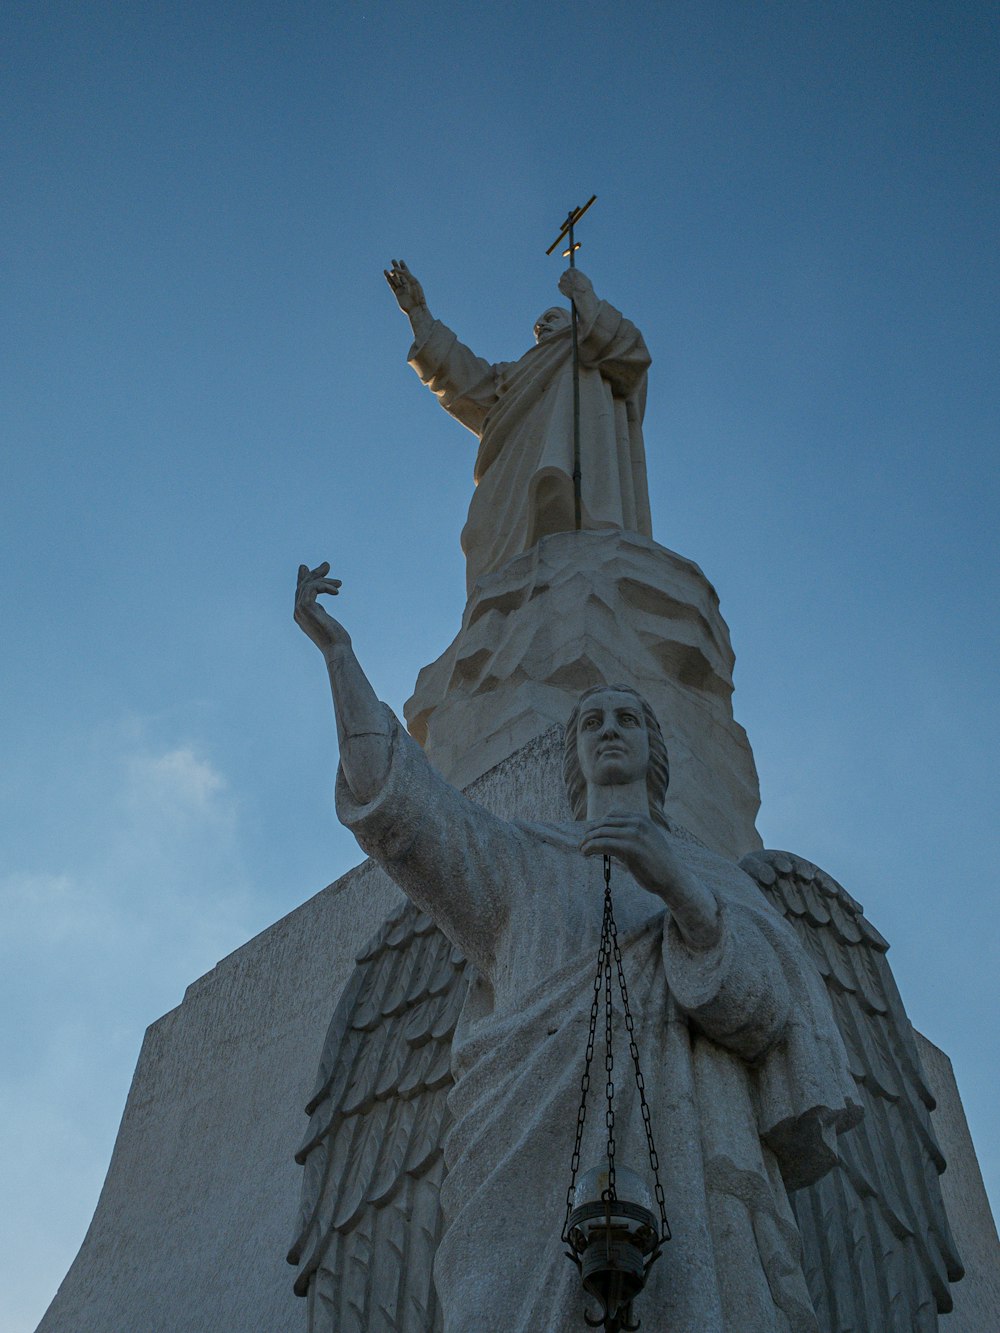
620,798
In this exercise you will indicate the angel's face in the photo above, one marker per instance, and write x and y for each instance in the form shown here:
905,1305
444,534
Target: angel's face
611,739
553,321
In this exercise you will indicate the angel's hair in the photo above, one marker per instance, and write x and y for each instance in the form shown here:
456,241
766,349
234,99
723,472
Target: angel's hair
657,774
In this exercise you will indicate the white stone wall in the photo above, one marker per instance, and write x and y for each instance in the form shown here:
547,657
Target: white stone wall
197,1211
977,1296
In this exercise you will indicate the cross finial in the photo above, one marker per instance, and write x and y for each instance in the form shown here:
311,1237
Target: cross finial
572,218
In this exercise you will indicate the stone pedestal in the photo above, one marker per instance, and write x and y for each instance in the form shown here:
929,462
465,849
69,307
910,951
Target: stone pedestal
581,609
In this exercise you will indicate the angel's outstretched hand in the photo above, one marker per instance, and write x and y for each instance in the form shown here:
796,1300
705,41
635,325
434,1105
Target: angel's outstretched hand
312,618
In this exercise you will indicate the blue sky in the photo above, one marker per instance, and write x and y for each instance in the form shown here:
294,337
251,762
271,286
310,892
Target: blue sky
203,383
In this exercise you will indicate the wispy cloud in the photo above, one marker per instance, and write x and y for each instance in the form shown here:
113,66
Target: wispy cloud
180,780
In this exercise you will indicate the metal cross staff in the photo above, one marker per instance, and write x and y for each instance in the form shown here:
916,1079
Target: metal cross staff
573,217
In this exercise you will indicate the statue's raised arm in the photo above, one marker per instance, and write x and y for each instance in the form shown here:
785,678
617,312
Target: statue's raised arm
362,727
409,296
522,413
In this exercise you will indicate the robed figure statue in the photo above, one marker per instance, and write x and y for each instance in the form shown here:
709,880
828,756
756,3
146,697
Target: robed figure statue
745,1069
522,412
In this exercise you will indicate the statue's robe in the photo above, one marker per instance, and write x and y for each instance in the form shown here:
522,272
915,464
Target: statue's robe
744,1069
522,412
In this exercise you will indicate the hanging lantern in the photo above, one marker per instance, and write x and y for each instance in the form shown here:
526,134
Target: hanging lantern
611,1231
615,1240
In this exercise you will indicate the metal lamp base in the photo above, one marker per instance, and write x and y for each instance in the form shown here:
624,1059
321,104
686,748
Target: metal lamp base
614,1242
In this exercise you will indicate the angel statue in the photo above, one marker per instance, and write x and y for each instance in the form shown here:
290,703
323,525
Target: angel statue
522,412
447,1099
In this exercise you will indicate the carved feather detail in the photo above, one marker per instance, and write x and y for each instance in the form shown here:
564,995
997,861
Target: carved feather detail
878,1249
370,1216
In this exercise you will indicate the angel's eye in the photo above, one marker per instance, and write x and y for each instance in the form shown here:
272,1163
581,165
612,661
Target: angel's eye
589,723
629,719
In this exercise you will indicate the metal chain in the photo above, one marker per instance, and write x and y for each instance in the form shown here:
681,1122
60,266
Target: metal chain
609,948
607,925
633,1050
581,1114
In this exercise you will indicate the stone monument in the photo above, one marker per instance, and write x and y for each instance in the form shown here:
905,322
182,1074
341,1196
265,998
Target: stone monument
748,1064
580,725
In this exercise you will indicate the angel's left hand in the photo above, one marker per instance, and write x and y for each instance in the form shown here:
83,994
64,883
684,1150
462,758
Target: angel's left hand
638,843
644,849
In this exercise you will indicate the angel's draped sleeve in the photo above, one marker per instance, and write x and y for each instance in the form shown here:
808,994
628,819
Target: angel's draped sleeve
451,857
735,991
757,994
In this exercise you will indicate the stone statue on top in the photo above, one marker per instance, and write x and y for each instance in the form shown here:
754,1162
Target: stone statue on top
522,412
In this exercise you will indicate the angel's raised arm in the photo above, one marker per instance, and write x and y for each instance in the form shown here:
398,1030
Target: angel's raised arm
362,726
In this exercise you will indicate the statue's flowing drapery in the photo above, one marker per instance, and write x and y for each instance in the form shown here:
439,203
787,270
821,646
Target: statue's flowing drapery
744,1068
522,412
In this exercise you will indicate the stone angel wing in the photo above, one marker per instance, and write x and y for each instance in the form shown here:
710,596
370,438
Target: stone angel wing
878,1248
370,1216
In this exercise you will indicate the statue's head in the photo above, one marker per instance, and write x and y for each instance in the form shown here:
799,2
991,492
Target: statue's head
552,322
613,738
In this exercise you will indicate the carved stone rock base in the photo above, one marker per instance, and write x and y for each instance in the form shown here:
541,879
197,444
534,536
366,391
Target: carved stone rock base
579,609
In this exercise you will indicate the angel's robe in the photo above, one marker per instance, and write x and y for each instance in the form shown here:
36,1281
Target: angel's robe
522,412
744,1069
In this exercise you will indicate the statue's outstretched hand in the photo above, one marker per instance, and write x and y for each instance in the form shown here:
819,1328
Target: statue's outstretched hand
310,617
405,287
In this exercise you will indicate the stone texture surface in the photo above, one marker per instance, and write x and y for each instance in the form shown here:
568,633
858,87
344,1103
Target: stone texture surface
879,1253
579,609
196,1212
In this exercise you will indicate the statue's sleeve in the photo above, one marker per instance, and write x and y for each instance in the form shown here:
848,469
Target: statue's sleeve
756,993
736,991
615,347
464,384
454,859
